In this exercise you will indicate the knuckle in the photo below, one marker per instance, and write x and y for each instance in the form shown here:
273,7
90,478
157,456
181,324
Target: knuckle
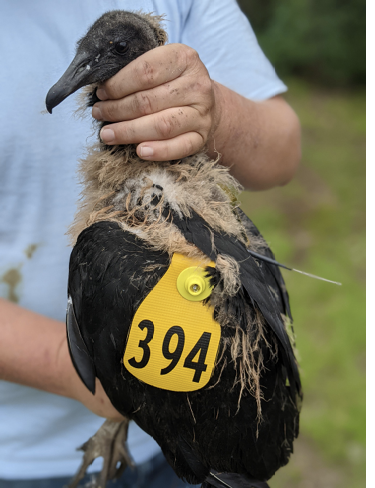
191,54
145,72
144,104
206,86
110,111
205,113
127,133
187,56
164,127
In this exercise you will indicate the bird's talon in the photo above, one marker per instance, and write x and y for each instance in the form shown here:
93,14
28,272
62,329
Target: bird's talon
110,443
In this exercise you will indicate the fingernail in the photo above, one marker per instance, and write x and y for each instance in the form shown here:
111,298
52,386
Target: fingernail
102,94
107,135
146,151
96,113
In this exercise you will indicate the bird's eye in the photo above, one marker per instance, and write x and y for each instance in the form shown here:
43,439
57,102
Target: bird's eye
121,47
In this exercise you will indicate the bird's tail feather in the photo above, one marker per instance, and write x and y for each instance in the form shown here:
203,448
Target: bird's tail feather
231,480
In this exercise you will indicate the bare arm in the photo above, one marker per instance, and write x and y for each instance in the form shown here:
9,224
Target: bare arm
260,141
166,102
34,352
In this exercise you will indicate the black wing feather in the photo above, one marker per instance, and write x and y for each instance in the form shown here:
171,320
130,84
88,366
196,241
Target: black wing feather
79,353
233,480
252,230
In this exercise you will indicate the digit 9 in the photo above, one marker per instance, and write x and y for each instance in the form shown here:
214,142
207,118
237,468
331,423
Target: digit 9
175,355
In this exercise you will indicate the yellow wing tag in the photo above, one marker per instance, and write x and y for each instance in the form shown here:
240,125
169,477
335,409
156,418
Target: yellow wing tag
173,340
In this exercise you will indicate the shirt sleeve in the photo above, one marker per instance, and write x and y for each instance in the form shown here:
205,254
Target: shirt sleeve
226,43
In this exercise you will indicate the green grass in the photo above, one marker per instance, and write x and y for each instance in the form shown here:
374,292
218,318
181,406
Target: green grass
317,224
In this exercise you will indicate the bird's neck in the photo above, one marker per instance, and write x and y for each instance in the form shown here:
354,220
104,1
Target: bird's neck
119,186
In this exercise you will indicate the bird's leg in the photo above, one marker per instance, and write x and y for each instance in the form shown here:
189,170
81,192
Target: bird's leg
110,443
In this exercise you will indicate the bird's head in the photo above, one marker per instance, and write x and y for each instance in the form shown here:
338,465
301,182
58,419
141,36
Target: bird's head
112,42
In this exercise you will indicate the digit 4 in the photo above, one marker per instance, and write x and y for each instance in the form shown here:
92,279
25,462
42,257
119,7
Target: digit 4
199,366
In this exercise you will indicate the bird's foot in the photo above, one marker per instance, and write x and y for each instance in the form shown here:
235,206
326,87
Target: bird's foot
110,443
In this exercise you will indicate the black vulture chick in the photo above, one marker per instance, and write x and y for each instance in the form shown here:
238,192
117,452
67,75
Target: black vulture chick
186,330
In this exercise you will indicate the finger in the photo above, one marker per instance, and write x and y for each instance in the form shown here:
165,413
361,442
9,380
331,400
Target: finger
177,93
176,148
153,68
160,126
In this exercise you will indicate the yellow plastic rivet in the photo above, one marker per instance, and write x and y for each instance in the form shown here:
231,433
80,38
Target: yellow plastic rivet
193,285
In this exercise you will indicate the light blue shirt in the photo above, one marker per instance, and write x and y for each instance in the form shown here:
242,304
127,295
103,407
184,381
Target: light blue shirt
39,432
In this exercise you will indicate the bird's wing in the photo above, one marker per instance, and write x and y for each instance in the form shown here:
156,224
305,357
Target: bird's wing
252,231
107,282
256,279
81,358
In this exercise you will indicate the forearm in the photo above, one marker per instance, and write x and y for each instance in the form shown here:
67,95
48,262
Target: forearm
260,141
30,349
34,352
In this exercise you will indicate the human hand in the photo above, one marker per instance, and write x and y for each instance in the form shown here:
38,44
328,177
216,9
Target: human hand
164,100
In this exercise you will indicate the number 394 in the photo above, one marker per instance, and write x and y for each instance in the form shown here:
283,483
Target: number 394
201,348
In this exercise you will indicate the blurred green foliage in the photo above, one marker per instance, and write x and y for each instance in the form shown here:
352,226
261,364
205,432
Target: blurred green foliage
317,223
322,40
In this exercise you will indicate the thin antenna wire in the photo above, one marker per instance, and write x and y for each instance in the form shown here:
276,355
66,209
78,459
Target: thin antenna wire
272,261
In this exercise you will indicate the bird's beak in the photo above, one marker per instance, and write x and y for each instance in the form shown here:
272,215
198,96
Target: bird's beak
78,74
